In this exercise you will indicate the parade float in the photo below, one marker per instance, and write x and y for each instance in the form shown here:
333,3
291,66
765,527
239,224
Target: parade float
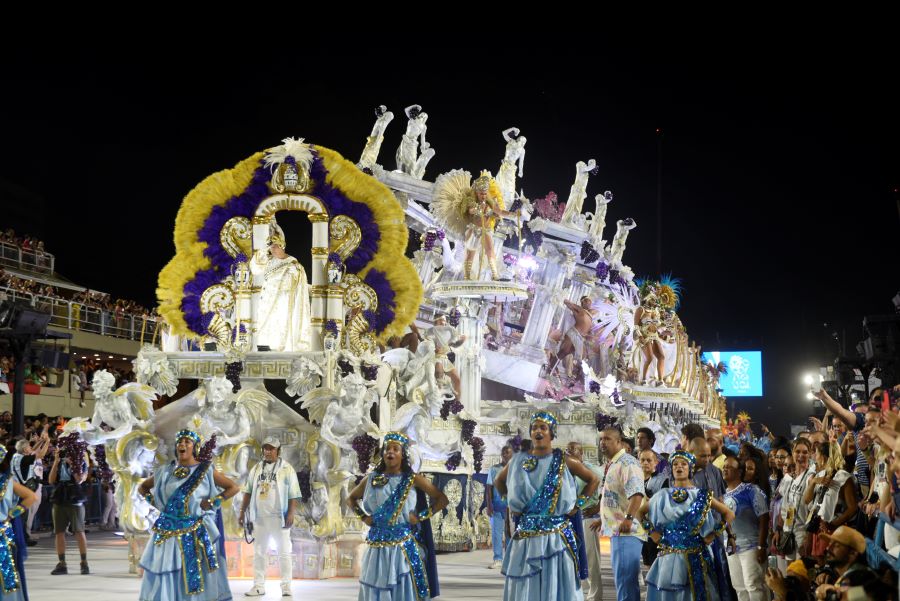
449,310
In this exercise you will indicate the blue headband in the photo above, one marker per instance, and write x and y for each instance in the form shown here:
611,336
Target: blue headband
547,418
397,437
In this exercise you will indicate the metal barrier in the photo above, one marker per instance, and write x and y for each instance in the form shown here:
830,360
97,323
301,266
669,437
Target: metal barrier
84,318
13,255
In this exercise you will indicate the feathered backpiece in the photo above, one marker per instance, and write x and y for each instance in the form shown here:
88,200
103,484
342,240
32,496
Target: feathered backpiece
452,195
667,291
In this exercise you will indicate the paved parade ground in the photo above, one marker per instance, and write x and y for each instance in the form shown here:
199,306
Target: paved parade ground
464,576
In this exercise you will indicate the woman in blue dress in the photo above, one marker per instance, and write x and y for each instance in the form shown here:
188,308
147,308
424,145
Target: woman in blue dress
15,500
681,523
394,566
542,562
181,560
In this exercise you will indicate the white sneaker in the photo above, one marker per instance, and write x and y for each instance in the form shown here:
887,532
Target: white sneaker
495,565
286,590
256,591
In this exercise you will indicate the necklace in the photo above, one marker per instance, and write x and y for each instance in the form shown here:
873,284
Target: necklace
181,471
679,495
530,464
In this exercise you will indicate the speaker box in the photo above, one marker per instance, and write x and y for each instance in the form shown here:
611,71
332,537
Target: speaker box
54,359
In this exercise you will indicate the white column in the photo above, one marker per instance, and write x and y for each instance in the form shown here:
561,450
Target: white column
468,360
260,235
319,283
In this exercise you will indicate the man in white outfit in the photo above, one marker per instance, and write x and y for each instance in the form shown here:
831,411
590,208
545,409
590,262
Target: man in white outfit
270,497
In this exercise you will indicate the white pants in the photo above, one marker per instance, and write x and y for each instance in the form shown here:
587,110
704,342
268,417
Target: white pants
264,530
110,511
32,511
593,586
747,576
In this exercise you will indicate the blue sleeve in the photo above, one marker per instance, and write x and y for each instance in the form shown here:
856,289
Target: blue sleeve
860,422
490,477
760,506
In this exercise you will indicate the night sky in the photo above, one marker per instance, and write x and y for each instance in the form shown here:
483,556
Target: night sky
780,211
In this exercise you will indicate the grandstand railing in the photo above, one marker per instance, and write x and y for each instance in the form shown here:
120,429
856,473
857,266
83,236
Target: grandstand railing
13,255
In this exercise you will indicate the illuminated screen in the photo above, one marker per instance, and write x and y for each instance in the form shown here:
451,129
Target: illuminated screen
744,376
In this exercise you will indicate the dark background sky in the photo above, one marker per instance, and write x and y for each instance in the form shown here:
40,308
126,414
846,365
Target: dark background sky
779,175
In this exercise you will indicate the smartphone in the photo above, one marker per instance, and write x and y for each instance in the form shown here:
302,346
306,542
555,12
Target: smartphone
773,562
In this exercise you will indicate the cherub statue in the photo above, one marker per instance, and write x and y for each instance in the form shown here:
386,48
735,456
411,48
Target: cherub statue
342,416
153,368
127,408
305,375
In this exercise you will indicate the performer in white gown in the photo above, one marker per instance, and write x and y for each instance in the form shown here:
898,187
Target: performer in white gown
283,319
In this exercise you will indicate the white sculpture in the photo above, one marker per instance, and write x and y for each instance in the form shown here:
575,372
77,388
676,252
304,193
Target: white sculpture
428,153
342,416
129,407
513,158
283,314
415,376
598,219
373,144
578,192
407,153
305,375
623,226
227,415
152,367
130,444
414,421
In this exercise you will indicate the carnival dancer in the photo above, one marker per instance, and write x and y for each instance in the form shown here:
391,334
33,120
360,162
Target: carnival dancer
395,566
680,521
544,560
182,560
12,570
471,212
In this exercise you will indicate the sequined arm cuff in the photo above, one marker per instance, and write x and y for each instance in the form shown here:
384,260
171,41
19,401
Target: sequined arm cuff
359,512
425,514
16,512
582,501
216,501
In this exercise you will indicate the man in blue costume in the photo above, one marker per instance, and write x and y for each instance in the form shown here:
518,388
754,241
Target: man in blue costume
541,561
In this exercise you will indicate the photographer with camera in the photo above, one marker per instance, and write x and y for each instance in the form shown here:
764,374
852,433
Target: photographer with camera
28,470
68,499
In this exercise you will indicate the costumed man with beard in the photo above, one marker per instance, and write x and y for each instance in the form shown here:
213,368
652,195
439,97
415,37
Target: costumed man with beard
267,510
544,560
